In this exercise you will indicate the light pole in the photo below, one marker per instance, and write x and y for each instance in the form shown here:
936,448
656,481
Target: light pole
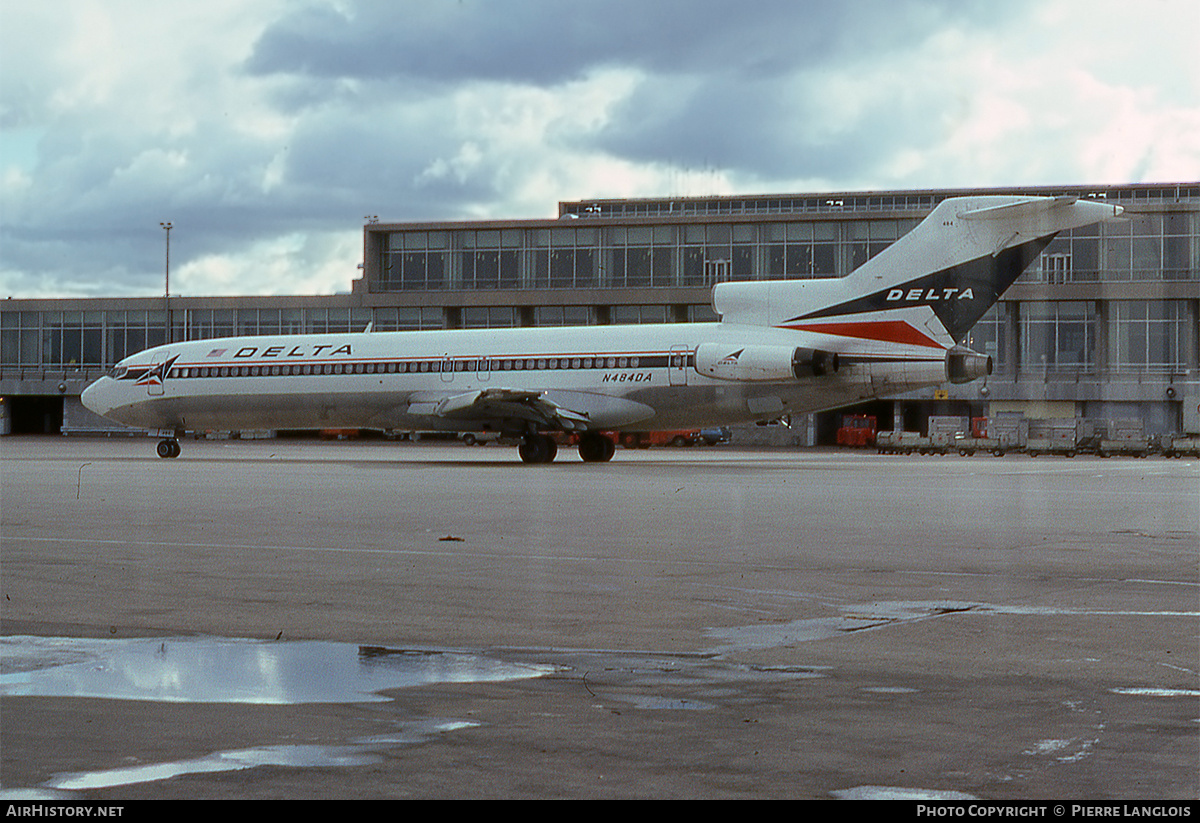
167,285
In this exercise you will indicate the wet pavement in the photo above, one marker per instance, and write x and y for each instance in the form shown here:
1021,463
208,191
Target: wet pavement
294,619
213,670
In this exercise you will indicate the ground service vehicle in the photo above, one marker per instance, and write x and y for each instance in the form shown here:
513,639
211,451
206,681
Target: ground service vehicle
644,440
857,431
716,435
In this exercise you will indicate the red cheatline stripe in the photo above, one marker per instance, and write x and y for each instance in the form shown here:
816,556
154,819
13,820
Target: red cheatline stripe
889,331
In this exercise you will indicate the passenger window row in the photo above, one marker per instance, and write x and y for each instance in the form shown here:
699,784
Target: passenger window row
418,366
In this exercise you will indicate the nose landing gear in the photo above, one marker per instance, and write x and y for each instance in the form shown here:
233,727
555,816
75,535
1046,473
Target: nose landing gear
168,447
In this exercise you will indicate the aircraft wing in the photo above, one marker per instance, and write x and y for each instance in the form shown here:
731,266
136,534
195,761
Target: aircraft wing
500,403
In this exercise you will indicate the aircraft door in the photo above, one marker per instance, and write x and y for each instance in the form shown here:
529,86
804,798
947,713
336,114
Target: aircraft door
483,369
678,364
447,369
154,379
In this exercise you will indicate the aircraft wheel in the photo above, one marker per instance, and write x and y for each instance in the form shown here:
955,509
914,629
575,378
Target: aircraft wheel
531,450
596,448
168,448
538,448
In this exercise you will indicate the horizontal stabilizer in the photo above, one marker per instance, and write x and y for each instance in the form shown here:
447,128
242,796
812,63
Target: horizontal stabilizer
1022,208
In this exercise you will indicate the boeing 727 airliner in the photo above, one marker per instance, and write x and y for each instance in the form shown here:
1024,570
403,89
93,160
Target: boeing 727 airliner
781,347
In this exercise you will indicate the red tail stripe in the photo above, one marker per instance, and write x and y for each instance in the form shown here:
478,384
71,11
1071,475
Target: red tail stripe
888,331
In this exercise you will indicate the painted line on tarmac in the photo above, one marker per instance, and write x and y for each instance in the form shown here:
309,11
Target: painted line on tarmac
413,552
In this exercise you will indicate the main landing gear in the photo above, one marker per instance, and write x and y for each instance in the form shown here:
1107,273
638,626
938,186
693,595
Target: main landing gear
596,448
168,447
542,448
538,448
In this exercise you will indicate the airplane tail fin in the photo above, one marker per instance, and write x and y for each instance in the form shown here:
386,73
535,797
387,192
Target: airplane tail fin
928,288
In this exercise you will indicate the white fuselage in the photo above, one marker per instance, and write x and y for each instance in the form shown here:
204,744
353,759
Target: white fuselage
632,377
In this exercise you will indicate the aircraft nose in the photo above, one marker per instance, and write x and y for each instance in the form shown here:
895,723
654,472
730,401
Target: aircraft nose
97,397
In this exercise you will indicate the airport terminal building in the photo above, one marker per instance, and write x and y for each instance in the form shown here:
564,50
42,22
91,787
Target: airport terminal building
1104,324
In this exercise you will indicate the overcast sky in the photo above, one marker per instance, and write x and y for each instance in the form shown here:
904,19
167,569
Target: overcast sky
265,131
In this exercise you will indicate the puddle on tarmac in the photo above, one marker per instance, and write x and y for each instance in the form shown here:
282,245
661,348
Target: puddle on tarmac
220,670
654,703
1150,692
858,618
871,616
356,753
359,752
899,793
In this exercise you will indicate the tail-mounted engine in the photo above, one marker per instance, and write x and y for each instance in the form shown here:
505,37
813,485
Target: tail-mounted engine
763,363
964,365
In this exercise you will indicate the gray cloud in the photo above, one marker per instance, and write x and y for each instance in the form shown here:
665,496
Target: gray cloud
772,127
551,41
723,82
279,127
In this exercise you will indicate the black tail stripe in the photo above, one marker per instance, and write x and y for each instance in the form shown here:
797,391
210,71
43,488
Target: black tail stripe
958,295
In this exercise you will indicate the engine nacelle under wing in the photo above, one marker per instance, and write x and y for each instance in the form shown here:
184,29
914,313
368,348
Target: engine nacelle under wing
763,363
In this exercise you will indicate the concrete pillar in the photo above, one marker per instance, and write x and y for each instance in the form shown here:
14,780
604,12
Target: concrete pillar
1010,316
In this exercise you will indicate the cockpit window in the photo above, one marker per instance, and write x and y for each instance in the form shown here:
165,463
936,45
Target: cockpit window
118,372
